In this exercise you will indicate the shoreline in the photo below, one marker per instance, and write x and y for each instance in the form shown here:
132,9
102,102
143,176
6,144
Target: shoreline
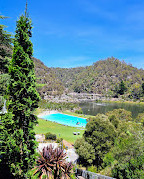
47,112
126,102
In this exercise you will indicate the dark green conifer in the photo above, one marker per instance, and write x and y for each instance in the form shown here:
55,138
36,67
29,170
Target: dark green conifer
5,48
142,88
18,136
5,54
122,88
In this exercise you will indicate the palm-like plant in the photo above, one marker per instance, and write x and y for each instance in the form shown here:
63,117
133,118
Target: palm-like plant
67,167
52,162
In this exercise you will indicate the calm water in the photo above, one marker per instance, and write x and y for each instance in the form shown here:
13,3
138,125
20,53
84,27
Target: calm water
66,119
93,108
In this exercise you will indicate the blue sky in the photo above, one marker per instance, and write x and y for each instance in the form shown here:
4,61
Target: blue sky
71,33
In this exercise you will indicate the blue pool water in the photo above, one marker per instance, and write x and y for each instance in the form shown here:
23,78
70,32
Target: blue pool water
66,119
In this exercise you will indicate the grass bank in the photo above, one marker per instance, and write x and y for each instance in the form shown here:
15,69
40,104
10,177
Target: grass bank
66,132
126,102
75,114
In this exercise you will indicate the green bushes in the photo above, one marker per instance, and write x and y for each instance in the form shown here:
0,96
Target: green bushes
118,144
57,106
79,111
50,136
130,169
59,140
92,168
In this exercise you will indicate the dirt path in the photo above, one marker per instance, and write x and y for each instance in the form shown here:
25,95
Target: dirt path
70,146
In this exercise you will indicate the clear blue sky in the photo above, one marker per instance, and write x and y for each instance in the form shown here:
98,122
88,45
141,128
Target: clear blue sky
70,33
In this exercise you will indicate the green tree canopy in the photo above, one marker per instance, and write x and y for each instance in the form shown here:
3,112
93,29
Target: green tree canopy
5,47
100,133
5,54
122,88
85,151
121,114
18,135
143,88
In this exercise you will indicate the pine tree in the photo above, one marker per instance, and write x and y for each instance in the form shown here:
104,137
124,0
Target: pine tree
143,88
5,48
18,136
122,88
5,54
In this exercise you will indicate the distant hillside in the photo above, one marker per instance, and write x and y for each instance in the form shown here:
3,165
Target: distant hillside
103,77
47,82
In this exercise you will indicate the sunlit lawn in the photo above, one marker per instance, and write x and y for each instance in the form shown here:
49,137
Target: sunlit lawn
66,132
75,114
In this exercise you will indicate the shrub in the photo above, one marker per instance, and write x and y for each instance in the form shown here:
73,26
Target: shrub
92,168
59,140
140,117
131,169
79,111
52,162
121,114
85,151
50,136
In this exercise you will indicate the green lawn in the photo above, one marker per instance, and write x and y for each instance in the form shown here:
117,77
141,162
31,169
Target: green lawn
66,132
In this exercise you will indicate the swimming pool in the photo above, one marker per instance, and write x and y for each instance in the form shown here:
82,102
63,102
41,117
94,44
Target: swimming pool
66,119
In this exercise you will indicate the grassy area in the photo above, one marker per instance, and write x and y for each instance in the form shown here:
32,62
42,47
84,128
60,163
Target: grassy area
38,111
75,114
66,132
126,102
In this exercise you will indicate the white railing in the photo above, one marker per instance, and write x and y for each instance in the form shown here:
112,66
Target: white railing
4,110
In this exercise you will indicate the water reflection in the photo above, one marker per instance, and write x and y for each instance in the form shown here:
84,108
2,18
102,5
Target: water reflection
93,108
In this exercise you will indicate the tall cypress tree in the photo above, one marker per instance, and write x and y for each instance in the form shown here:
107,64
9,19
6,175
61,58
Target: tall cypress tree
5,48
18,136
5,54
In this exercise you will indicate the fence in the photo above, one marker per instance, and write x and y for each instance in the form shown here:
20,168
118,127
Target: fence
90,175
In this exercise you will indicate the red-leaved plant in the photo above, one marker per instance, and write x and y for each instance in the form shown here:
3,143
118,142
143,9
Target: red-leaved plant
52,163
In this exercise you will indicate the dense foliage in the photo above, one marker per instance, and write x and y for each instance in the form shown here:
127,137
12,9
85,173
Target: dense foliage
5,48
118,144
18,147
47,82
57,106
50,136
100,133
5,54
109,77
85,151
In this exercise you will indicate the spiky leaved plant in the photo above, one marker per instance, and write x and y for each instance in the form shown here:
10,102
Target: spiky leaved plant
52,162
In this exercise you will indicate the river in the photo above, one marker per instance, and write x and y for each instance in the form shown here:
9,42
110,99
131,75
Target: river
93,108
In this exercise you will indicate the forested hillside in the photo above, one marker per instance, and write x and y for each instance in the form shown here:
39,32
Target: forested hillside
47,82
104,77
109,77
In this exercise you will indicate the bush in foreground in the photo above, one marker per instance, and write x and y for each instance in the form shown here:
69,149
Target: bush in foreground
50,136
52,163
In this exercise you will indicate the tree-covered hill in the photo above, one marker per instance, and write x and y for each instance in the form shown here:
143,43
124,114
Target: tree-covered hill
47,82
109,77
103,77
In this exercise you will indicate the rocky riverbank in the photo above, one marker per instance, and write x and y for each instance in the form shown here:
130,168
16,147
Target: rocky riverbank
74,97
